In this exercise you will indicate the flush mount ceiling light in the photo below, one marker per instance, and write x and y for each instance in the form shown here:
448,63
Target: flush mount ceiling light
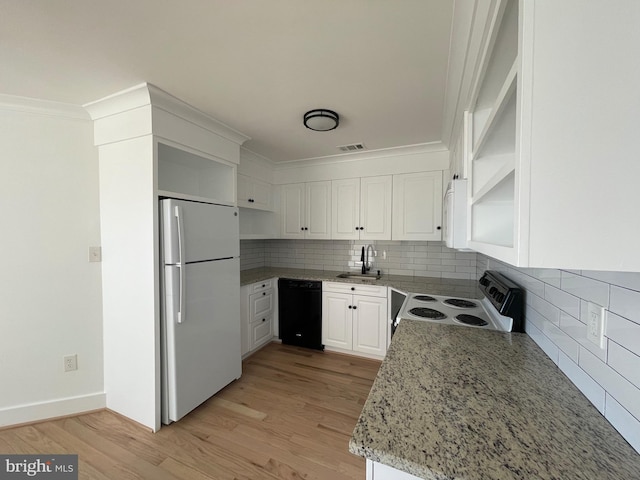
321,120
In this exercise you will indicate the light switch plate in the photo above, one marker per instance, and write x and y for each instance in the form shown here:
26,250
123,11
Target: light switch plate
595,324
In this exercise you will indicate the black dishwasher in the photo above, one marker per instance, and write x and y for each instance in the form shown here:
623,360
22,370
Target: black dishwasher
300,312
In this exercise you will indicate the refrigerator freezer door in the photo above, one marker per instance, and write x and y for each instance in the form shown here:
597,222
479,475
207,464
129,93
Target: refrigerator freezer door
207,231
202,354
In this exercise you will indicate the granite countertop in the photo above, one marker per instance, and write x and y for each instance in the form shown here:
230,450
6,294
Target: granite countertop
454,402
434,286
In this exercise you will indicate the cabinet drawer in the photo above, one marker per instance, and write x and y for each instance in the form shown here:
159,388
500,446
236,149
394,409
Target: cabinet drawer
355,289
261,332
260,305
263,285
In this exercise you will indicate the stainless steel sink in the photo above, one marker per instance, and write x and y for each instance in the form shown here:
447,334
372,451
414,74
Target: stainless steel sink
362,276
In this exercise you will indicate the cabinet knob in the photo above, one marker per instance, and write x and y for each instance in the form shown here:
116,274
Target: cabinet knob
264,293
354,307
361,228
264,319
357,228
306,228
350,307
353,288
302,228
263,285
438,227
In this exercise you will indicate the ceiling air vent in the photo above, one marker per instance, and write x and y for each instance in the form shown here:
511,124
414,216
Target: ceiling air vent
356,147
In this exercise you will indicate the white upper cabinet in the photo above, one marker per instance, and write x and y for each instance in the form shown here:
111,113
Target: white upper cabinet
361,208
253,193
552,128
306,210
417,206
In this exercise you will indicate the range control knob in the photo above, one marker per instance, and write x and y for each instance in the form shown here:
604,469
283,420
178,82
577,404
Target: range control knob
492,291
500,297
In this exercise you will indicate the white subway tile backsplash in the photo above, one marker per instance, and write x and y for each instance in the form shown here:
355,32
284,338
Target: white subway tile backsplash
529,283
457,262
624,332
578,331
623,421
630,280
625,302
567,344
561,339
543,342
615,384
624,362
587,385
563,300
586,288
547,275
544,308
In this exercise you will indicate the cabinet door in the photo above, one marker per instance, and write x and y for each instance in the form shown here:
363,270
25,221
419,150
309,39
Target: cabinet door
244,191
375,208
370,325
293,209
318,211
345,209
417,206
261,195
337,320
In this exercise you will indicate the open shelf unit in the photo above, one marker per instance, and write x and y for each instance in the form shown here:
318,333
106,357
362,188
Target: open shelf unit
493,122
198,177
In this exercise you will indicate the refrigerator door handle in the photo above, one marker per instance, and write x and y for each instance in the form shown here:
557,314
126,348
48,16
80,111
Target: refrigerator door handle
180,264
180,225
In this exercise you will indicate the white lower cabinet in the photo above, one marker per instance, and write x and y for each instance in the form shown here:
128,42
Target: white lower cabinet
378,471
354,318
257,311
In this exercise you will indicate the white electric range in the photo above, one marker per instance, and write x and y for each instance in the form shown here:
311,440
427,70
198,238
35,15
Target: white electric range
501,308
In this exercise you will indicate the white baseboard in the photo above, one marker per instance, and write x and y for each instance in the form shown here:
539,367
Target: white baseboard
55,408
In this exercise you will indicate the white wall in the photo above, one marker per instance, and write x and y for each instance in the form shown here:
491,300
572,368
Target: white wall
50,295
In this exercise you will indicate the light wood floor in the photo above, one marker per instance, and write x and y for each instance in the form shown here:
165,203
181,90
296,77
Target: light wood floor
290,416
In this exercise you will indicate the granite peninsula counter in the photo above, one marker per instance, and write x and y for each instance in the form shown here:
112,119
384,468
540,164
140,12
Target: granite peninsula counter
452,402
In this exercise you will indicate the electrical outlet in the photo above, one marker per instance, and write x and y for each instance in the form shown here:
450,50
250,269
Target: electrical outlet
95,254
595,324
70,363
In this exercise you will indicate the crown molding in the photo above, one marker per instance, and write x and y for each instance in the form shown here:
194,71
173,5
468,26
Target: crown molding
258,156
42,107
122,101
148,94
417,149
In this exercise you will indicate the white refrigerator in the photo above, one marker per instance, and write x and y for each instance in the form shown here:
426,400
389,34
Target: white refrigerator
200,284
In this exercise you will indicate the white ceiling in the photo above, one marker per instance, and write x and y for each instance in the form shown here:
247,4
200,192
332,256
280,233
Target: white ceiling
256,65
